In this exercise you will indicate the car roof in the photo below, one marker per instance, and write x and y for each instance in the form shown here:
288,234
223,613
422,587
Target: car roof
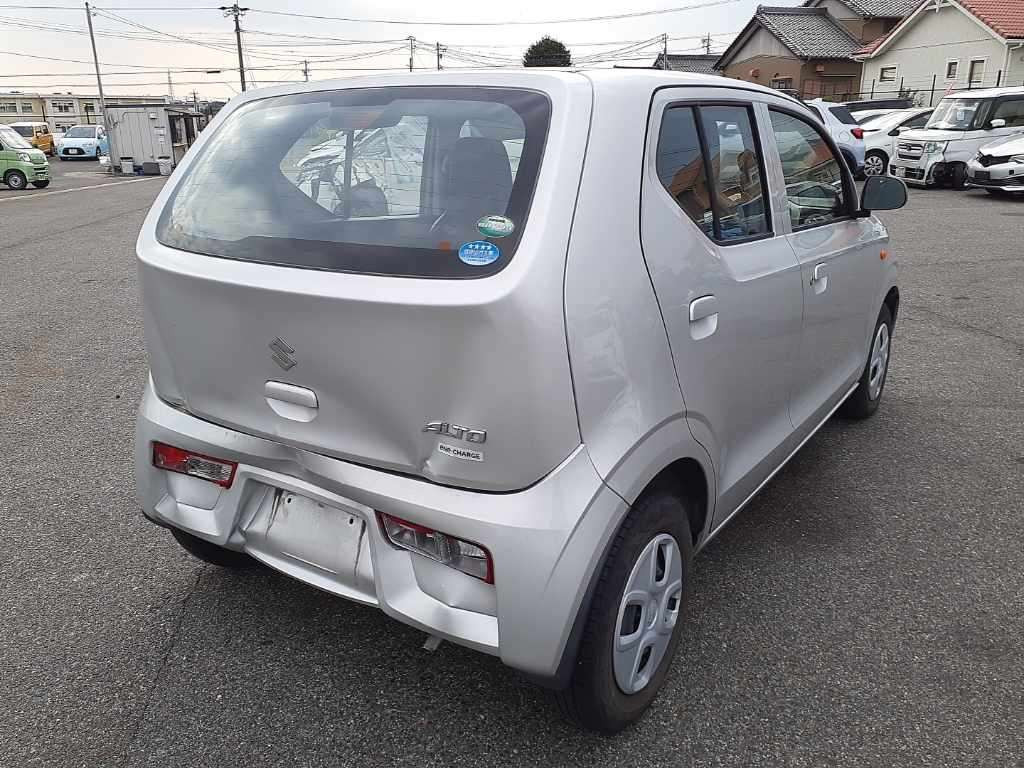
28,122
986,93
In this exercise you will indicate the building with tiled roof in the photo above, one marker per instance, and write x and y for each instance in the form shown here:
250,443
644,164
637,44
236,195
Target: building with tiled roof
946,45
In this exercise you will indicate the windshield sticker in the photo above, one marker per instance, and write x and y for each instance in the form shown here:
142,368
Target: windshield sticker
479,253
460,453
495,226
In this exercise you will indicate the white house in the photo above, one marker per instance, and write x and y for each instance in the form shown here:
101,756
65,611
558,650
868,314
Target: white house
948,45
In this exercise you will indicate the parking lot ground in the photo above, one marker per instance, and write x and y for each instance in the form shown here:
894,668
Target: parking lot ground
867,609
71,174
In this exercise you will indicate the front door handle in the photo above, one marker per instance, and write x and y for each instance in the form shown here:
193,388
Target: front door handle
703,317
819,280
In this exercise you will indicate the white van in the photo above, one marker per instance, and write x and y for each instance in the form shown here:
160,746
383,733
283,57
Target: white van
422,341
960,125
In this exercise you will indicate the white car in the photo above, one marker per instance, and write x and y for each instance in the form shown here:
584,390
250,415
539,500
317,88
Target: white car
961,124
83,141
880,134
998,168
860,115
845,130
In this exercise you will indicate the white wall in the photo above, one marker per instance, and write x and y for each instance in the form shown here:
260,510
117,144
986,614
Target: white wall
762,43
923,50
1015,74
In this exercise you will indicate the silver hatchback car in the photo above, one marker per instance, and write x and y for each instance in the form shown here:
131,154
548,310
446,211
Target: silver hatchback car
498,353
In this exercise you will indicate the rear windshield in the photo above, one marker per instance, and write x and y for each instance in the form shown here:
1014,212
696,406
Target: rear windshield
411,180
843,115
81,132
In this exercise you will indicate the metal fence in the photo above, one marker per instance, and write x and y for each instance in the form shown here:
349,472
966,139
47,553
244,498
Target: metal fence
924,92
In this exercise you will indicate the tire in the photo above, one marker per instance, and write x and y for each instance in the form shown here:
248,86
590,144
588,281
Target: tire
15,180
999,193
876,163
211,553
41,184
868,394
958,176
594,698
60,157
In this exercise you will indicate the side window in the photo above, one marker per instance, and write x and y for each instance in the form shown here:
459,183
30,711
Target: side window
734,164
1012,111
680,166
917,122
814,176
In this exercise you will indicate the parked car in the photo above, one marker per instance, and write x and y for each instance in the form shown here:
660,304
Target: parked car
83,141
880,133
20,162
469,412
37,134
961,124
845,130
998,168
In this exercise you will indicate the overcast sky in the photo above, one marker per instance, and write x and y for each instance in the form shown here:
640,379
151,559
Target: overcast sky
135,59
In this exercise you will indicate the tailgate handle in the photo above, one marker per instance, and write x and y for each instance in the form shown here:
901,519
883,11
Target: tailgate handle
290,393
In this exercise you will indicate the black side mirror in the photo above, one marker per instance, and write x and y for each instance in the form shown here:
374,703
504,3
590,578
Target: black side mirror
895,131
882,193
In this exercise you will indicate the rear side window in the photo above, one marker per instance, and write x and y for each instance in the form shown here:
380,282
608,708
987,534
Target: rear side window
709,162
843,115
411,181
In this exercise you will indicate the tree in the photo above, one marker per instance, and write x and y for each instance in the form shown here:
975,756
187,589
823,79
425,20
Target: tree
547,52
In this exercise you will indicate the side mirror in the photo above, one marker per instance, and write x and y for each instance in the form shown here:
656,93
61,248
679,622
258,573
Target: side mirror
882,193
997,123
895,131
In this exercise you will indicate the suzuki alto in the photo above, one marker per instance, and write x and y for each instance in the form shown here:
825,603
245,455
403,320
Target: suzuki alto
499,352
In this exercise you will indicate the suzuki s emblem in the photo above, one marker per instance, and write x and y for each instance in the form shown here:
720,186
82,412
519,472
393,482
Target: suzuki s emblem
282,353
468,434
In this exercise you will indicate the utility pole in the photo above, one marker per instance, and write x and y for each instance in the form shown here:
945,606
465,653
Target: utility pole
234,10
440,51
170,87
412,48
195,101
99,84
305,69
706,42
664,51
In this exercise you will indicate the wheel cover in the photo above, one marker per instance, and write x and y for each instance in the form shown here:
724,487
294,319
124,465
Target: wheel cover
879,362
647,613
874,165
14,181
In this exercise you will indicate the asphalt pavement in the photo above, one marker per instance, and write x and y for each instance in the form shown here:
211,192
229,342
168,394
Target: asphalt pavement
867,609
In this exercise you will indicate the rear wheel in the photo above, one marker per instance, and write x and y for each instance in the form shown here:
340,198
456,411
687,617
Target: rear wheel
635,621
866,397
41,184
211,553
15,180
875,163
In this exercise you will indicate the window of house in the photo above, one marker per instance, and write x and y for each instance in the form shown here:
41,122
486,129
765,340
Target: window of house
680,166
976,72
63,107
782,83
26,107
87,106
708,161
952,69
8,106
887,74
815,193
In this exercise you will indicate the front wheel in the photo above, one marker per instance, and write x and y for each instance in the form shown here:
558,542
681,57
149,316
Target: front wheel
16,180
958,176
866,397
875,163
635,621
41,184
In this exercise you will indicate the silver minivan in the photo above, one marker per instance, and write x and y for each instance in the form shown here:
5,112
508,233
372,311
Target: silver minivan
499,352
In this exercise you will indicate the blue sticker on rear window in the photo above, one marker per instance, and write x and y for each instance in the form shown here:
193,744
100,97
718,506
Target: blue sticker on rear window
479,253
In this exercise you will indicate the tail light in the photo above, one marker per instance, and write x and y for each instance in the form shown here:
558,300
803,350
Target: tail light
465,556
858,133
174,459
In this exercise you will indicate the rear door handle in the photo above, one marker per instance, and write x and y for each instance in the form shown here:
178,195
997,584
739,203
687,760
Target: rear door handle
703,317
819,280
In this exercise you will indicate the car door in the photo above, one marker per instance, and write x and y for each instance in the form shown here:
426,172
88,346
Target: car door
727,282
839,264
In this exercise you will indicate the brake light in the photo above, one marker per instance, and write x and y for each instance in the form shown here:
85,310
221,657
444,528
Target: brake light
194,464
464,556
858,133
